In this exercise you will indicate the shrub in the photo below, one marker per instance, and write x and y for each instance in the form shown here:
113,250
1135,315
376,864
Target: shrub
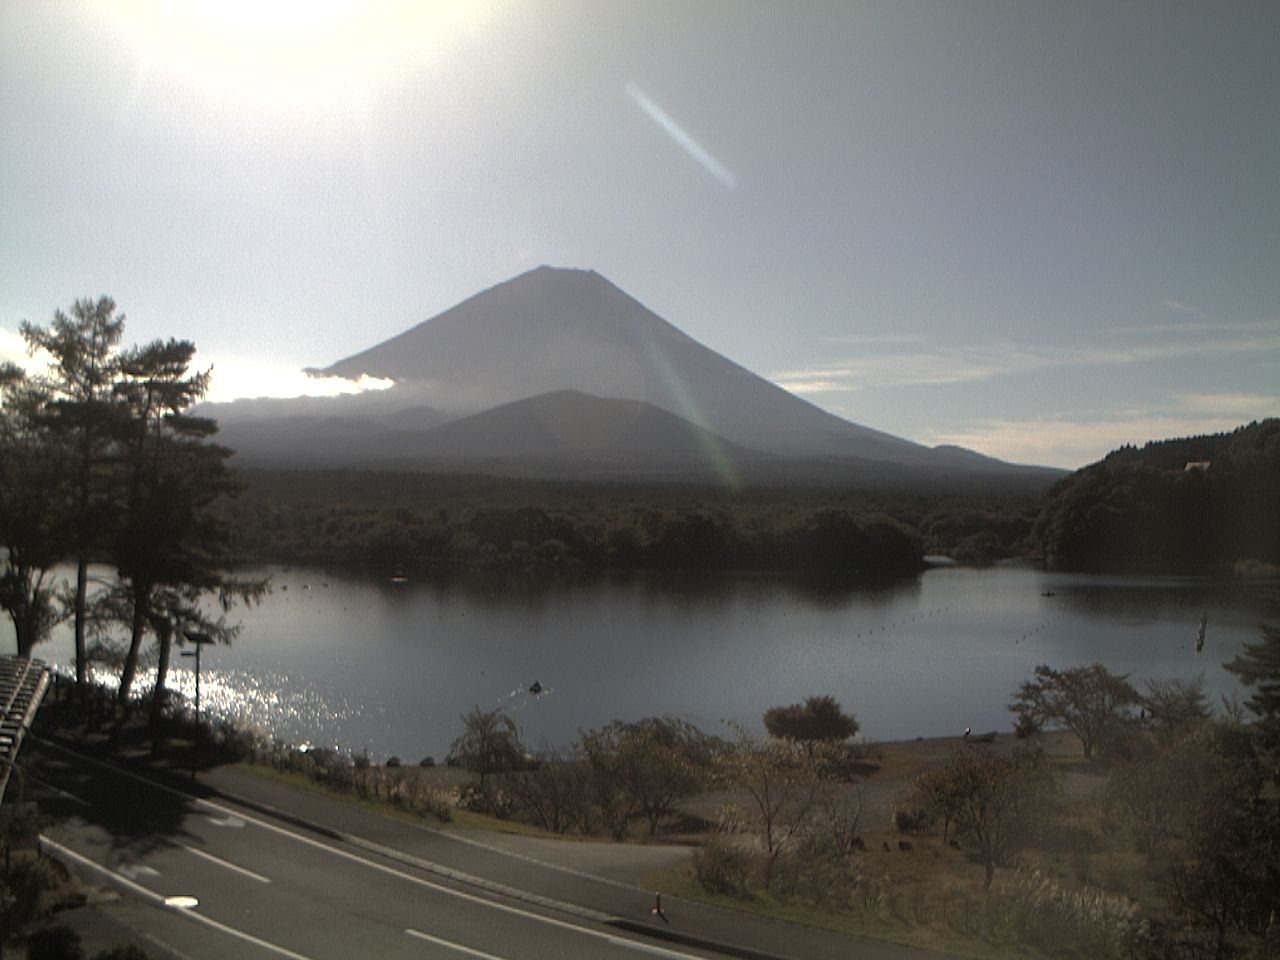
816,872
818,718
427,761
554,793
1026,726
55,943
20,893
486,797
724,866
393,761
913,820
125,951
1042,911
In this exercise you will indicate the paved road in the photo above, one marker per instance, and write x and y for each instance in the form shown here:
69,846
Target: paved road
261,888
309,875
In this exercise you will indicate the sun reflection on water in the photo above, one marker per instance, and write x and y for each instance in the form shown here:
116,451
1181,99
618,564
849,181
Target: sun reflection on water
271,704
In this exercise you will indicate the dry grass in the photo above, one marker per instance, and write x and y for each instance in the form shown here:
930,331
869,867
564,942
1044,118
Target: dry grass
1076,894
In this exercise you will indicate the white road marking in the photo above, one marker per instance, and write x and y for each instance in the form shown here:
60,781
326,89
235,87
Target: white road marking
135,870
449,944
471,898
62,793
225,863
235,823
480,844
167,947
383,868
154,898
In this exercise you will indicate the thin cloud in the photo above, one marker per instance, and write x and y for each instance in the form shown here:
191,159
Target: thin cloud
682,137
870,339
1083,437
1205,322
1242,405
1183,328
1178,307
813,386
975,363
1073,442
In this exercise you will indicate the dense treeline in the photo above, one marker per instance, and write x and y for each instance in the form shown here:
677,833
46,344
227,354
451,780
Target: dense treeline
1196,504
408,520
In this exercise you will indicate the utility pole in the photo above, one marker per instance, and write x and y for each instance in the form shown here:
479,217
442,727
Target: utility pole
199,640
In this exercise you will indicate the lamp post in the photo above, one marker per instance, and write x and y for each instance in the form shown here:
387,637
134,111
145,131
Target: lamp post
199,640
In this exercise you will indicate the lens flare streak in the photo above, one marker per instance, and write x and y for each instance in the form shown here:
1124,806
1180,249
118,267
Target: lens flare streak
682,137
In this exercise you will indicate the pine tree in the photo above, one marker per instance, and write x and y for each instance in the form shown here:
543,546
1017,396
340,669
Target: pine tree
82,411
170,549
34,531
1258,667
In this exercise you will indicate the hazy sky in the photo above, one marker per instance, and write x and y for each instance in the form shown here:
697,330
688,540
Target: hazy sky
1037,229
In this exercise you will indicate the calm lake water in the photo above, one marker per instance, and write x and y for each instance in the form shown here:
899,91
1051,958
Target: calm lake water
333,659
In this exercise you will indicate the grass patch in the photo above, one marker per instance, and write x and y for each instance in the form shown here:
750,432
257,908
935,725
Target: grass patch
680,881
461,819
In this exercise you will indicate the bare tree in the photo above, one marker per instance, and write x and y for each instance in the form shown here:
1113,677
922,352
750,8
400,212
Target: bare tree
782,782
555,792
490,743
995,800
1174,707
641,769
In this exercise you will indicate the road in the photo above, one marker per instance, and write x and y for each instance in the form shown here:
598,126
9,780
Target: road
207,879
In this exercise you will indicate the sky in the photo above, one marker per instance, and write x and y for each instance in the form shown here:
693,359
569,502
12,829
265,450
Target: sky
1040,230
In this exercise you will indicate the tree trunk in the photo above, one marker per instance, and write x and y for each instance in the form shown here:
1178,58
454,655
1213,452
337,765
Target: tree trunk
82,595
164,637
23,632
137,630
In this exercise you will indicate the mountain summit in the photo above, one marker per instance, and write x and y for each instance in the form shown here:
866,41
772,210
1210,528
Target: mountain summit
555,329
559,372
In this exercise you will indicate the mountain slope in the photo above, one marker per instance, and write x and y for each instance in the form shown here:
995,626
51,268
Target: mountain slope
558,372
555,329
572,432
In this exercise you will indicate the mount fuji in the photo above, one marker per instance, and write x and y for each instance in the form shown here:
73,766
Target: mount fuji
557,372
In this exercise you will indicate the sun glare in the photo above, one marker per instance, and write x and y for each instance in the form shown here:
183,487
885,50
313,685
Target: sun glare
292,54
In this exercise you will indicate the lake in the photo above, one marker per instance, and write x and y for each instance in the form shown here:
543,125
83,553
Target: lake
337,659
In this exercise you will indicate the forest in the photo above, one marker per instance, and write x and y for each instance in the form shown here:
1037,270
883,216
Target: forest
1197,505
430,521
